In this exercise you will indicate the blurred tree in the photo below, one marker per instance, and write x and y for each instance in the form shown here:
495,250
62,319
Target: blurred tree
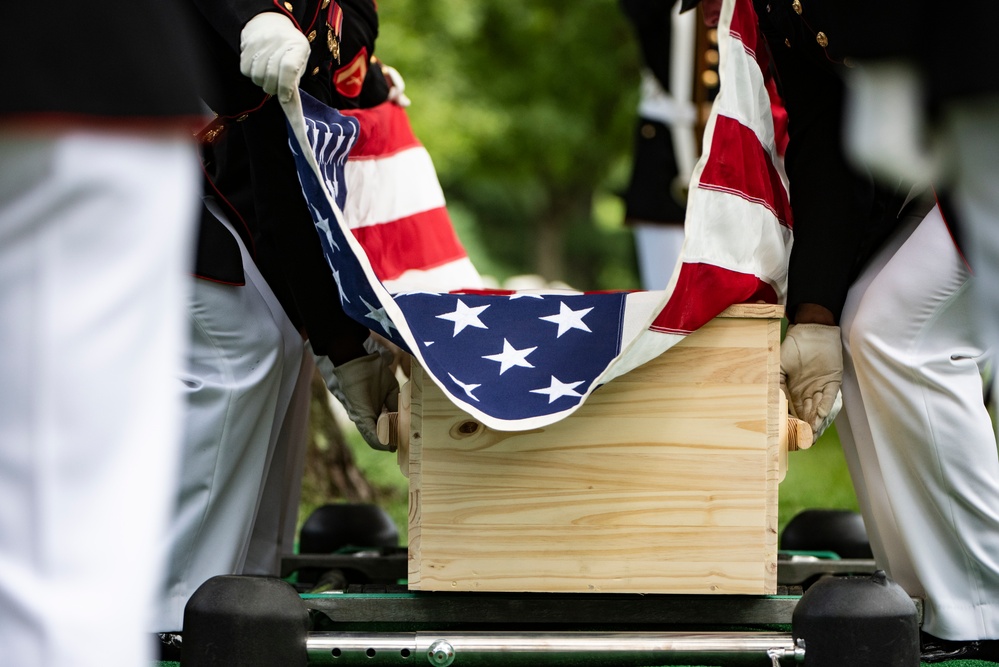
527,109
331,472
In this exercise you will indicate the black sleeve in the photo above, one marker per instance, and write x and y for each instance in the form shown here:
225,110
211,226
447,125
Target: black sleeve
830,201
651,21
227,17
129,60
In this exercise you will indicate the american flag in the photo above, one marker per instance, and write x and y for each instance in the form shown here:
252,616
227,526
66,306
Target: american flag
522,360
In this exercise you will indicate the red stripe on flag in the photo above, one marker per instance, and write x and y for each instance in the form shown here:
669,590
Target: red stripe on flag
779,114
704,290
734,149
743,26
385,130
417,242
484,292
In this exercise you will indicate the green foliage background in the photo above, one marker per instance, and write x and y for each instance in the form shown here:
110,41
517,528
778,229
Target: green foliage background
527,110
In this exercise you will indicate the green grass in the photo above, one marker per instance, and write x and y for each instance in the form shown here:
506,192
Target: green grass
382,470
816,477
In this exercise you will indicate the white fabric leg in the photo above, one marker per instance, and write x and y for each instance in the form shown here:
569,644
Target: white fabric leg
974,139
243,366
95,249
658,247
274,530
918,438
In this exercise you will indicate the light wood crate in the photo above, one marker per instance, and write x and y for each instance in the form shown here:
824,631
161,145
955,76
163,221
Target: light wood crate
664,481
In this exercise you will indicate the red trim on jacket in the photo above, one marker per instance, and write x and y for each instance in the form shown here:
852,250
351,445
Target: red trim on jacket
950,231
252,247
64,121
284,10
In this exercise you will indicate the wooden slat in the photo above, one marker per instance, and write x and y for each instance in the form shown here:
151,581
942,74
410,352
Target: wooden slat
665,481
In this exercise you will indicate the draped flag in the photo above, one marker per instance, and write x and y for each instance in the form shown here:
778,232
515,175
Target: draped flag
397,211
522,360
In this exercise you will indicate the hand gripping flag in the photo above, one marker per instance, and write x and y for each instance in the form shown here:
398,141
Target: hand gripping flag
522,360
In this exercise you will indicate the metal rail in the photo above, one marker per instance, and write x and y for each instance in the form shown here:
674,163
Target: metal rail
512,649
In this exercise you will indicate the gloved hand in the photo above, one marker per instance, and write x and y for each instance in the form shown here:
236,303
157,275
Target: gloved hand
364,386
397,86
811,372
273,53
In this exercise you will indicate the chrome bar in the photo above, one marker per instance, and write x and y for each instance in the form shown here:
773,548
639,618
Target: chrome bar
510,649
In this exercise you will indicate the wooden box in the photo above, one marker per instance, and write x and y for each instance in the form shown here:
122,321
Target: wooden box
664,481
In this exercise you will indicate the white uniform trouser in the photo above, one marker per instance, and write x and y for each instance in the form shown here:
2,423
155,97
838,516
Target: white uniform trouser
96,236
973,141
658,247
247,388
917,437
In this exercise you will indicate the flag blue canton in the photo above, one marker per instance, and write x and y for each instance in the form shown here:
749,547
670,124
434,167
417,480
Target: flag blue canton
511,357
519,356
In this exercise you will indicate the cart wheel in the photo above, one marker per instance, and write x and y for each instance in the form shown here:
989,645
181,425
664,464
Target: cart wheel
337,526
245,621
839,531
857,621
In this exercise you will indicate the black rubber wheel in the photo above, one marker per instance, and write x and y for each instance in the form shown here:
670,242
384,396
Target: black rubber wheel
246,621
338,526
839,531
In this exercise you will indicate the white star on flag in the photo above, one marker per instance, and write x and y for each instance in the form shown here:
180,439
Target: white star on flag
469,388
336,277
510,357
379,315
324,224
568,318
558,389
463,316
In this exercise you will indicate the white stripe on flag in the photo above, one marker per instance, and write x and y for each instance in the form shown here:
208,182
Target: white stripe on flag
401,185
446,277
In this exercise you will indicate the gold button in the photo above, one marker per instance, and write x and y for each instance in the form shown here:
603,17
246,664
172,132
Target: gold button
796,6
212,133
312,36
787,43
648,130
289,7
315,71
821,38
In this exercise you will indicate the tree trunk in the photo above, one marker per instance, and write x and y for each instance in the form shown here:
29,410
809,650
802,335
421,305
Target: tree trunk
548,258
330,470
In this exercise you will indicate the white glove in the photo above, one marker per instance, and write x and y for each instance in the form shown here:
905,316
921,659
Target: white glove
396,86
273,53
364,386
811,372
